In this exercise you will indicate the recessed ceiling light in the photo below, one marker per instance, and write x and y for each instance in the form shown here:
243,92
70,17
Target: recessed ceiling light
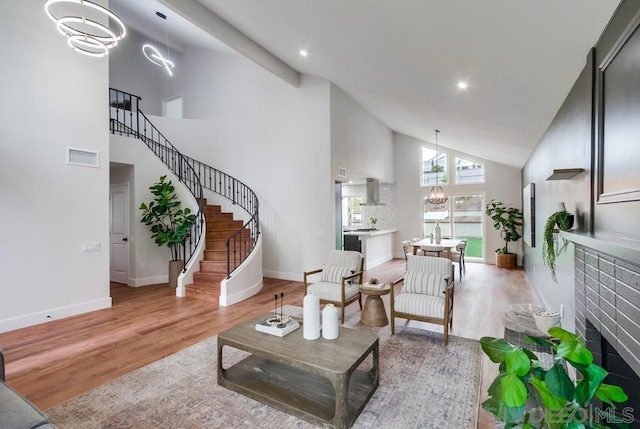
462,85
303,53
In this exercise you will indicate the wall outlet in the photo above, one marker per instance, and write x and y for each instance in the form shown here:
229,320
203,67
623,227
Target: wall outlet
561,311
91,247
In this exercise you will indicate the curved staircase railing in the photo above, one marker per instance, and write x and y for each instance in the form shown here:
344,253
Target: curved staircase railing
126,118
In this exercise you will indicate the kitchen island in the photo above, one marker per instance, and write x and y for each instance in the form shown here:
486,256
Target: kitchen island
375,245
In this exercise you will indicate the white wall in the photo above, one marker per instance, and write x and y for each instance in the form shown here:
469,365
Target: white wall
131,72
149,264
53,98
271,136
502,183
360,142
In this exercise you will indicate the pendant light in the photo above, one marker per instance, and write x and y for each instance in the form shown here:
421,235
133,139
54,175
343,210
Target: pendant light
79,23
437,195
152,54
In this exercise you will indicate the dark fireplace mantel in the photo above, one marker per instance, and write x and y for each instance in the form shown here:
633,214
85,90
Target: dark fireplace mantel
617,246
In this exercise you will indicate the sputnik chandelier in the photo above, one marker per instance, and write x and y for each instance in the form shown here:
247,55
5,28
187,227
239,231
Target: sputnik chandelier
437,195
77,20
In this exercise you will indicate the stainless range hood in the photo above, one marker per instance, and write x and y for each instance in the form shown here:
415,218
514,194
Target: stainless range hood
373,192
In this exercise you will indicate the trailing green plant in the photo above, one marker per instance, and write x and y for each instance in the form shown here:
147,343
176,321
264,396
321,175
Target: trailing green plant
525,395
507,220
169,224
550,247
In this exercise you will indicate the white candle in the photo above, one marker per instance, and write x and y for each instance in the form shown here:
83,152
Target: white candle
311,317
330,323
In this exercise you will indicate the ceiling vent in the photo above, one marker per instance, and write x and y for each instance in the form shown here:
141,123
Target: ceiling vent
86,158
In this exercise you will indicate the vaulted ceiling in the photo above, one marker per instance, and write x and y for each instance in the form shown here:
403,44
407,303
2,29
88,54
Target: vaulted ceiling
402,59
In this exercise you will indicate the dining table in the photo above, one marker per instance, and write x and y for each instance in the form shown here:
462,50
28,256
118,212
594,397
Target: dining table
447,243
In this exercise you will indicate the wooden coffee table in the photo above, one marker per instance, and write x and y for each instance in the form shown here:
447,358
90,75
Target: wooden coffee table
373,313
316,380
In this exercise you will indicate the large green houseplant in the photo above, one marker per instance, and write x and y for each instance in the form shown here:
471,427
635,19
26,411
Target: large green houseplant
562,220
525,395
170,225
507,220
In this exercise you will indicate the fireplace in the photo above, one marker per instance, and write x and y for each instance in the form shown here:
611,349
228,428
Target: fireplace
607,291
620,374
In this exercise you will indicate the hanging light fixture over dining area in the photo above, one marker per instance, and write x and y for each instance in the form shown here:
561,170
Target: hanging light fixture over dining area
437,195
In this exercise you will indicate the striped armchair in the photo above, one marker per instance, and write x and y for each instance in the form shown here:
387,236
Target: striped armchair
427,293
339,281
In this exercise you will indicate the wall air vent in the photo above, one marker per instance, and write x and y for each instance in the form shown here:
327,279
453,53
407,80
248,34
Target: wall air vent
86,158
342,172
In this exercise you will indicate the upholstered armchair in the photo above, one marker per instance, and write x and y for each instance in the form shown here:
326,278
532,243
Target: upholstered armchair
339,279
427,293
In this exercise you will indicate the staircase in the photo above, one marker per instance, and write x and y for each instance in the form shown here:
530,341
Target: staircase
213,269
228,242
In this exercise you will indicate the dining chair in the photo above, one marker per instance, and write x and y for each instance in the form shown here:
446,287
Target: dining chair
458,256
432,250
418,251
406,248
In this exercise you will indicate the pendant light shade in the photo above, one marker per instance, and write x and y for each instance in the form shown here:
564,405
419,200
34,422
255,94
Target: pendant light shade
83,24
437,195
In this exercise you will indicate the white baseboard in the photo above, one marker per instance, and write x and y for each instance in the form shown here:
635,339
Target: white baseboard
280,275
379,261
53,314
146,281
226,300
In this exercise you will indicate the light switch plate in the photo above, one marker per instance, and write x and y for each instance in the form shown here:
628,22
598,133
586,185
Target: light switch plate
91,247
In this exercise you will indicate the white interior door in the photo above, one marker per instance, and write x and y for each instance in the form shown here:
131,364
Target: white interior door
119,232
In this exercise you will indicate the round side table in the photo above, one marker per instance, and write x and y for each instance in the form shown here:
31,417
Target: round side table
373,313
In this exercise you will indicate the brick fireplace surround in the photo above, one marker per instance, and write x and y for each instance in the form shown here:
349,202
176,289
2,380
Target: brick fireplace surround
607,293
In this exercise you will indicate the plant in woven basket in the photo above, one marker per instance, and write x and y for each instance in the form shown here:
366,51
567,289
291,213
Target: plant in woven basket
507,220
525,395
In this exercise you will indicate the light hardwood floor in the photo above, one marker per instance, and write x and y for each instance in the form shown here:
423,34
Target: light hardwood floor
56,361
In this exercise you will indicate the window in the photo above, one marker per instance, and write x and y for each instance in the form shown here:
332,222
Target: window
469,171
434,164
460,217
352,211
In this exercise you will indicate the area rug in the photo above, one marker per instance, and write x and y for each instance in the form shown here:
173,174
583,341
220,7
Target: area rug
422,385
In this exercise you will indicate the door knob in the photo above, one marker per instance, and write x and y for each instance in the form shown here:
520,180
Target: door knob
125,239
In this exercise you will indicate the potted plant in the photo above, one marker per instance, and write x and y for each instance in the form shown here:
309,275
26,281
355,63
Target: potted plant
525,395
562,220
507,220
170,225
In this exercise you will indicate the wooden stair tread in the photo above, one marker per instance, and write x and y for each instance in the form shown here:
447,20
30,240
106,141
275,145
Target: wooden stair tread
204,285
213,268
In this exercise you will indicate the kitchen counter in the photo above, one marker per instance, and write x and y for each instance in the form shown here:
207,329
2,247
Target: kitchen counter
376,246
370,233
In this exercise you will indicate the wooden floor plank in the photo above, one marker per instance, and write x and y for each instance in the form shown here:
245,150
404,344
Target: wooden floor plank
56,361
